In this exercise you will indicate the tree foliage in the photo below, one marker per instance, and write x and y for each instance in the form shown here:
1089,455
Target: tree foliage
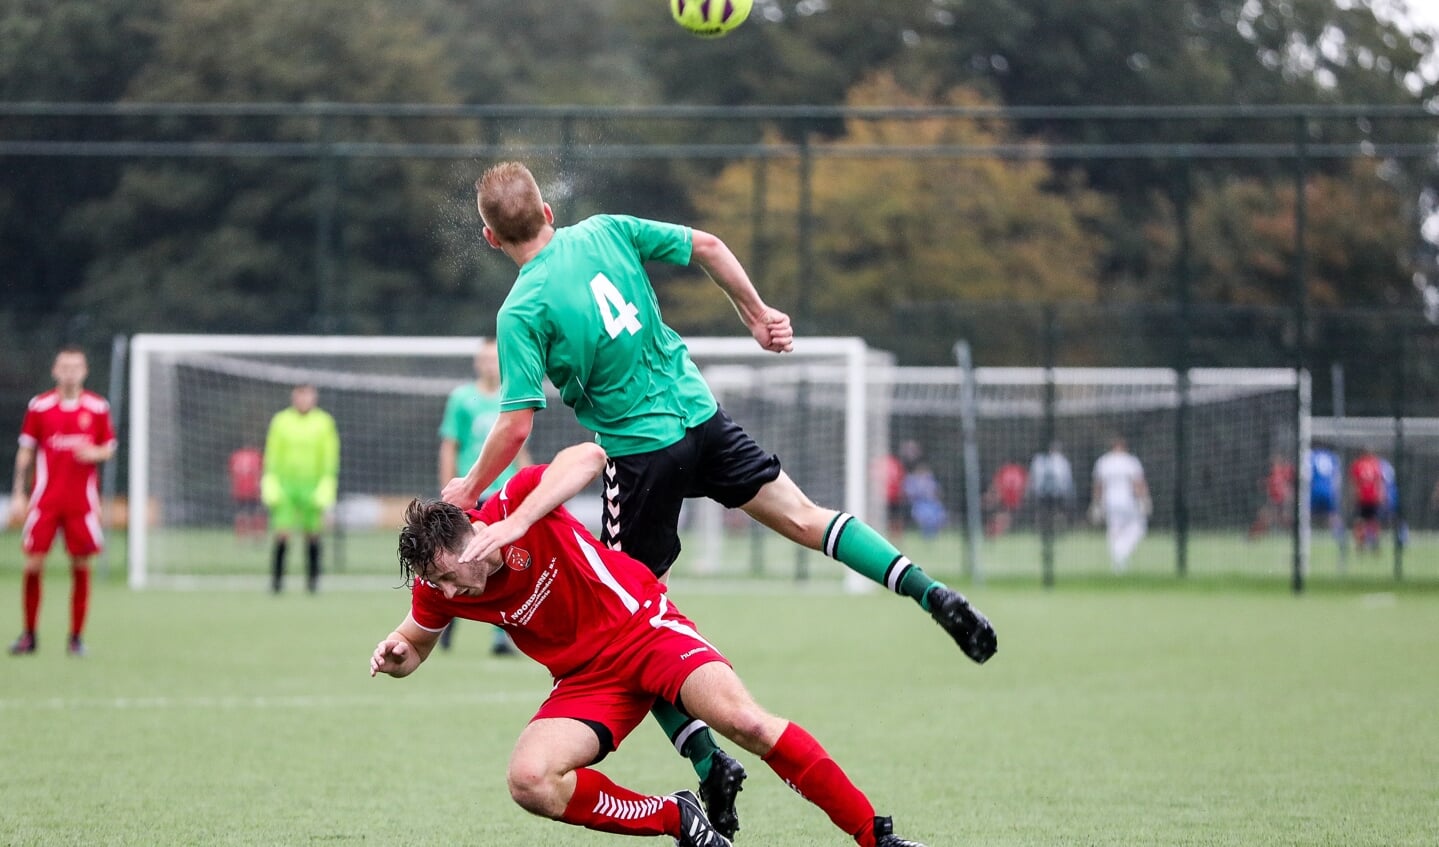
1360,238
894,229
278,244
300,243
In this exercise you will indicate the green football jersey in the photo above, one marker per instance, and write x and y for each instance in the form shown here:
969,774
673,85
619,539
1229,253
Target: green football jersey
470,414
301,450
583,313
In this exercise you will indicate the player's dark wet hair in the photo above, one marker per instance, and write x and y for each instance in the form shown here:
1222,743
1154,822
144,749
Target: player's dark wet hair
430,527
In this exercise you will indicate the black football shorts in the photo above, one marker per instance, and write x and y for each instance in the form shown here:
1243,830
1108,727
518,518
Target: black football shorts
643,492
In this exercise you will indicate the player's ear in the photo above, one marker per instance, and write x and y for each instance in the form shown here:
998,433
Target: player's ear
549,213
491,238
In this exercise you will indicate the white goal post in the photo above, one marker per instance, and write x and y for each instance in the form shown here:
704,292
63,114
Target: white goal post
197,398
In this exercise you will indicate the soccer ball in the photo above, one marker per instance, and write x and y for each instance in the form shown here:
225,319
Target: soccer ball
710,18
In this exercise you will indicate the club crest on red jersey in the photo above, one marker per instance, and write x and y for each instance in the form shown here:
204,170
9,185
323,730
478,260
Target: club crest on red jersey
85,420
517,558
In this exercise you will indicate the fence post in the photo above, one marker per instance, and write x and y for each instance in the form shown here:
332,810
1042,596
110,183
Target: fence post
109,474
1047,514
1301,329
1181,371
968,422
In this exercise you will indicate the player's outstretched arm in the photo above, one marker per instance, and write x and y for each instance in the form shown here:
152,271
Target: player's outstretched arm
403,650
573,468
770,327
20,492
503,443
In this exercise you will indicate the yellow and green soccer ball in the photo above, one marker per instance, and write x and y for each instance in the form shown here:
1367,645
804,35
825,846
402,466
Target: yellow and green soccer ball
710,18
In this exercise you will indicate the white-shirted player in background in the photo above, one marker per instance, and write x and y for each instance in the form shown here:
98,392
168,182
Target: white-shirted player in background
1121,500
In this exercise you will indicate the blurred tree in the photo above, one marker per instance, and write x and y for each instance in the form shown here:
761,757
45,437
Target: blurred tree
896,230
540,51
1360,240
67,50
285,244
1087,53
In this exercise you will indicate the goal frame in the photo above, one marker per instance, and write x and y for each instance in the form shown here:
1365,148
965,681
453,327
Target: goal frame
853,351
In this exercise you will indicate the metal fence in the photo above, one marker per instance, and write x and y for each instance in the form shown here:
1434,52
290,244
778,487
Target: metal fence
1376,360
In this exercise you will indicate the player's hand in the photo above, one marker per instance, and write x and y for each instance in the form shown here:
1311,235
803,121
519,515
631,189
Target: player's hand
19,506
1096,514
90,454
492,538
270,490
392,657
773,331
456,492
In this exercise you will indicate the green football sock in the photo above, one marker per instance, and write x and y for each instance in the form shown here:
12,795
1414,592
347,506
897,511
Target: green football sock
858,547
691,737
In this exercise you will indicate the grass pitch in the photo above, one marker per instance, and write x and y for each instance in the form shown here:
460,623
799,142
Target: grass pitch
1130,713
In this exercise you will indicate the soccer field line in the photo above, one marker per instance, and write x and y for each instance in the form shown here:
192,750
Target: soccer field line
296,701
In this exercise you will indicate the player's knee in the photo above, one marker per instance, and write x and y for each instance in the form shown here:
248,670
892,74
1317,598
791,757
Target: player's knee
535,788
751,727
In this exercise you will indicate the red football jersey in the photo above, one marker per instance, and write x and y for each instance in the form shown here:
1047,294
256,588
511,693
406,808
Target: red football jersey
55,427
562,595
1280,482
1009,482
1368,475
246,466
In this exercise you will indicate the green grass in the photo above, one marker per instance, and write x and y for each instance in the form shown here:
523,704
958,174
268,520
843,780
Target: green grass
1116,713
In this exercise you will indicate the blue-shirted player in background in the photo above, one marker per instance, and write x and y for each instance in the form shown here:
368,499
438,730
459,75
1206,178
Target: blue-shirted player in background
1325,479
1389,512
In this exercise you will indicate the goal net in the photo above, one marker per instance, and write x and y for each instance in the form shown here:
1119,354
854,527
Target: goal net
1205,446
196,400
1410,539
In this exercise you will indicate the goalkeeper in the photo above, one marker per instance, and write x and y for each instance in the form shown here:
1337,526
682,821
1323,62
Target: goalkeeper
302,466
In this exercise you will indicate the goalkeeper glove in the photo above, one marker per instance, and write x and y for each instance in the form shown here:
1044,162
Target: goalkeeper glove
325,492
270,490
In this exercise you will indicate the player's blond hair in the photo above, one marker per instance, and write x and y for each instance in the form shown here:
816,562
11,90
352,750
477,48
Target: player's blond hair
510,203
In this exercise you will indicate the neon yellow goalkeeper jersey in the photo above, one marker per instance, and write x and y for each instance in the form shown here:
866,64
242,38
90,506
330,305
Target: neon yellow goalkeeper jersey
301,450
583,313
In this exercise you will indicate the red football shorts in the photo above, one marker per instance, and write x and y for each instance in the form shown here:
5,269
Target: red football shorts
83,536
617,687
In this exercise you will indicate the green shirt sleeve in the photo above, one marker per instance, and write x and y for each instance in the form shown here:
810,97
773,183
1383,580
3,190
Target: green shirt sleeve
522,359
331,448
450,425
656,240
274,460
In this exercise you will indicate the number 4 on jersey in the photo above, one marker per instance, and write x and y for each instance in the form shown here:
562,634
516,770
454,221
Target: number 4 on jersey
616,312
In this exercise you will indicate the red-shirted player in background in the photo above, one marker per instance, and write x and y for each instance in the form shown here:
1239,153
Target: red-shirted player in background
1278,506
247,465
604,627
66,435
1367,474
1003,499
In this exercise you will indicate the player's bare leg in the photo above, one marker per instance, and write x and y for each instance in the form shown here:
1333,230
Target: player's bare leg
715,693
784,508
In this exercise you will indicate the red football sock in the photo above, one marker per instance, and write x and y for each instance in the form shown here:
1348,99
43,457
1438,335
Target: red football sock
79,600
801,762
601,805
32,599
